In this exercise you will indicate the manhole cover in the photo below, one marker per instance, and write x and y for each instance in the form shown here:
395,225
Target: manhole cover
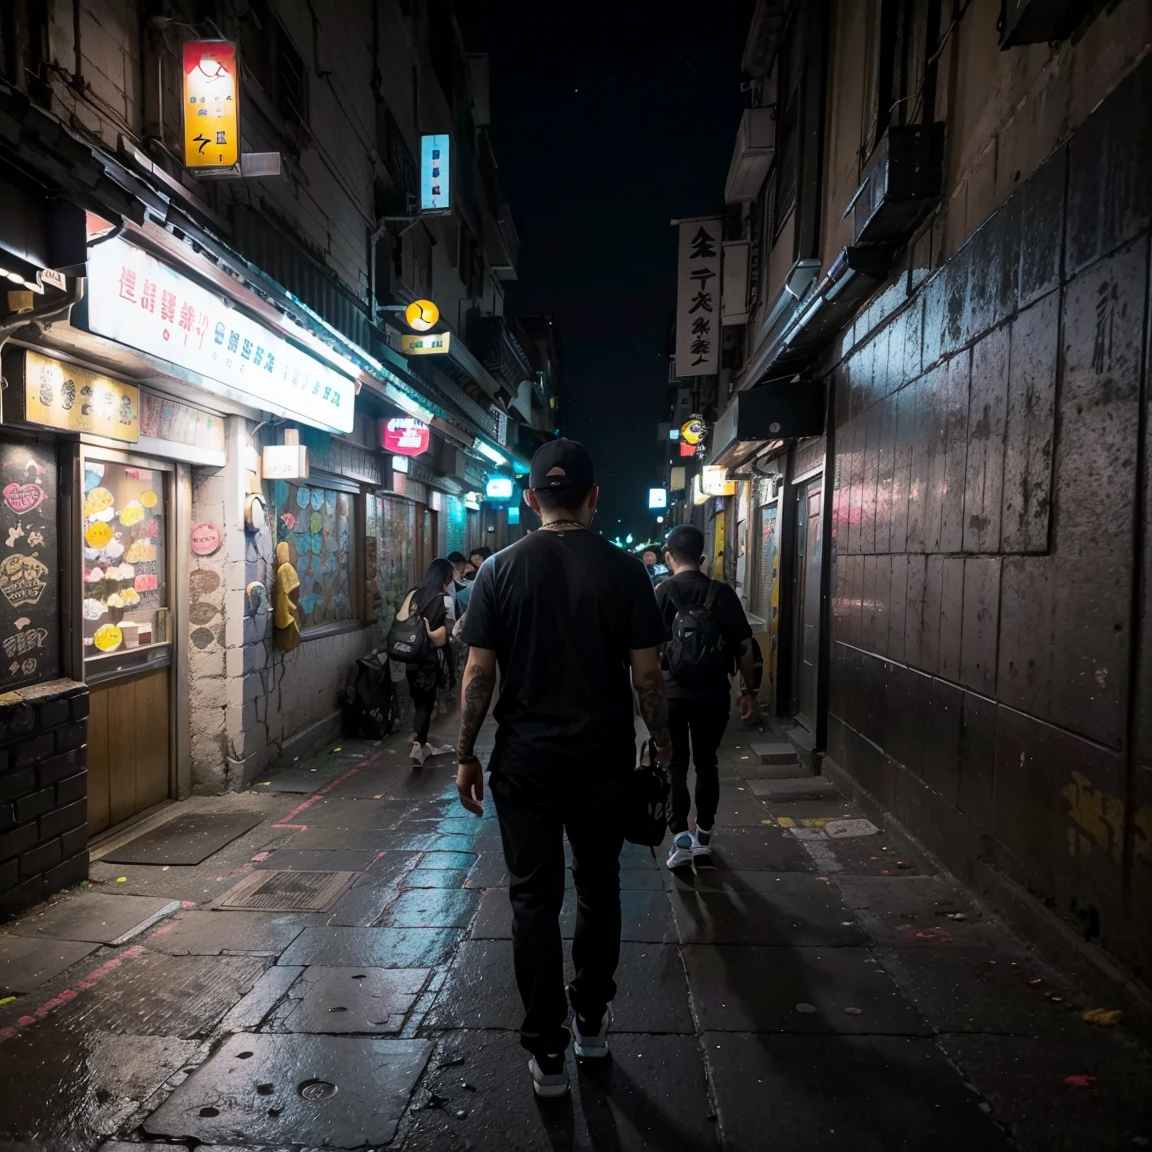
317,1089
276,891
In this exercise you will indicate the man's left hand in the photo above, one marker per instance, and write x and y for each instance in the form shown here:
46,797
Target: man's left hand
470,785
749,708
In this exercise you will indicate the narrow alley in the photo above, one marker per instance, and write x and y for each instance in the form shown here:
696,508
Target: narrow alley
820,987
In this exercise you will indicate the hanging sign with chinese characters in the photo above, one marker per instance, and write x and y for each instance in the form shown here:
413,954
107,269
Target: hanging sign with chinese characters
435,173
211,105
73,399
430,344
405,436
139,301
698,298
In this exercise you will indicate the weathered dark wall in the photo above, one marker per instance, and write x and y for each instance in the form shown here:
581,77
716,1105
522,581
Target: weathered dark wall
991,669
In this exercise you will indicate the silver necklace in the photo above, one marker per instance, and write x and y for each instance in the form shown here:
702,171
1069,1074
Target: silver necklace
559,525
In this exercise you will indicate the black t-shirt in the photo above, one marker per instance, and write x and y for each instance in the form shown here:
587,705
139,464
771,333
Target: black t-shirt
563,611
729,613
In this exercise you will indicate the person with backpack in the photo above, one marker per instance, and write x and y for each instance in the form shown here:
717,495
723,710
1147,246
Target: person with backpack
708,637
417,638
564,615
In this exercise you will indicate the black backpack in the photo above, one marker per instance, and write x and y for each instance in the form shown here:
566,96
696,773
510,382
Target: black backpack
695,653
407,641
367,700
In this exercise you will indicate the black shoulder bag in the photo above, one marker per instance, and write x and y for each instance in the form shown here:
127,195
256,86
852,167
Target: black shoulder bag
646,806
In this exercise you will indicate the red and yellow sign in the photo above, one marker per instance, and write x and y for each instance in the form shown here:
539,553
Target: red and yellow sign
211,104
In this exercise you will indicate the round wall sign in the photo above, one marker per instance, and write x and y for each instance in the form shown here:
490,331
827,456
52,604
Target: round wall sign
421,315
206,538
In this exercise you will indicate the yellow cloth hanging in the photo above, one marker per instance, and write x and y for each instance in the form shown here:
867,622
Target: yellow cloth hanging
286,603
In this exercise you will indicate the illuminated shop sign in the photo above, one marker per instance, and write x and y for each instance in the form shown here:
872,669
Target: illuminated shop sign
657,497
139,301
435,173
500,488
405,436
211,105
430,344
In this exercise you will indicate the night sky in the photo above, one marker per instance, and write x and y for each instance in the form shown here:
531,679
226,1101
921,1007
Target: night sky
609,122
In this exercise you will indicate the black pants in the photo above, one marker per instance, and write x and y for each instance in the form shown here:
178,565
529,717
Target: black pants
534,813
424,698
697,727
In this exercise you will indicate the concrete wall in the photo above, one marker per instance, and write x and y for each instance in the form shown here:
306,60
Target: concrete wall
990,658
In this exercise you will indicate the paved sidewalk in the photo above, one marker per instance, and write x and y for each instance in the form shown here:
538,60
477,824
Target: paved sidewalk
806,991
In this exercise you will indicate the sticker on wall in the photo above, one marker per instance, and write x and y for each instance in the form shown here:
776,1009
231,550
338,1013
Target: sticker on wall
98,500
140,552
130,597
149,498
133,513
98,534
303,495
23,498
146,583
22,579
93,474
108,638
113,550
317,498
206,538
15,534
149,528
289,521
316,522
94,575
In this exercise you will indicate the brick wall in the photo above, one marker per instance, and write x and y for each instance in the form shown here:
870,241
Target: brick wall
43,792
990,541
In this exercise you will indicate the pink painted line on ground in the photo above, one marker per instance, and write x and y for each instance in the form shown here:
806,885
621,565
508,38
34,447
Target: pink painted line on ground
93,977
320,793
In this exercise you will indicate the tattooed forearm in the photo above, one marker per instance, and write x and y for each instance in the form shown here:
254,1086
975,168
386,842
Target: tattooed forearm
479,683
654,709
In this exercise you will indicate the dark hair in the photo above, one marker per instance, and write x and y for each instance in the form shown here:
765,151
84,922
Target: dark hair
686,543
456,558
439,573
562,499
483,552
651,548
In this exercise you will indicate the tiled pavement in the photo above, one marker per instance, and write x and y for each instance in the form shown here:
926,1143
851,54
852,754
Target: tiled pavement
804,992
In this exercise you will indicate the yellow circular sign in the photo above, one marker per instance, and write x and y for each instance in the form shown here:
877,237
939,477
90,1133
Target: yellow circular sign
693,430
98,534
108,638
149,498
421,315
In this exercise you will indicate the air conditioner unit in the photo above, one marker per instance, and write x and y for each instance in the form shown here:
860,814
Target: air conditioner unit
1041,21
755,142
902,182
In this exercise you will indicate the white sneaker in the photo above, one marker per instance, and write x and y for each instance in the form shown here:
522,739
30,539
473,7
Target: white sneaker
551,1083
681,852
594,1047
431,750
418,755
702,842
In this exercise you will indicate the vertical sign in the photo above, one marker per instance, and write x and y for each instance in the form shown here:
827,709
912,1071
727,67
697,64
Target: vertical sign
29,564
211,105
698,298
435,174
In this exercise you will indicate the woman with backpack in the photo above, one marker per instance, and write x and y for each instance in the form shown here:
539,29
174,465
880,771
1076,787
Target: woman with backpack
417,638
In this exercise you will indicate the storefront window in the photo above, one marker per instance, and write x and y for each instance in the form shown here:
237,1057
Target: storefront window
125,571
393,526
318,525
456,514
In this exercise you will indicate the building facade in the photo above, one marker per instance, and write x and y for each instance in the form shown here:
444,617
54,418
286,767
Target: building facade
163,326
937,425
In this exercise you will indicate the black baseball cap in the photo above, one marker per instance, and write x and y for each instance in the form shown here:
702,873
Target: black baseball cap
561,464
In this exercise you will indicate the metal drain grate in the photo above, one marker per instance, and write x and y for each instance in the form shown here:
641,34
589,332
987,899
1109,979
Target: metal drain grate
270,890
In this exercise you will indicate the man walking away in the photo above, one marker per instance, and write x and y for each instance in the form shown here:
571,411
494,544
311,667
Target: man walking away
708,634
565,616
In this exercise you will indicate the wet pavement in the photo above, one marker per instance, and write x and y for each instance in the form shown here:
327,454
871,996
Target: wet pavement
814,988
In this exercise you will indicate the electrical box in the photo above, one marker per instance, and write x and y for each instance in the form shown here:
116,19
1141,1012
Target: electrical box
902,182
